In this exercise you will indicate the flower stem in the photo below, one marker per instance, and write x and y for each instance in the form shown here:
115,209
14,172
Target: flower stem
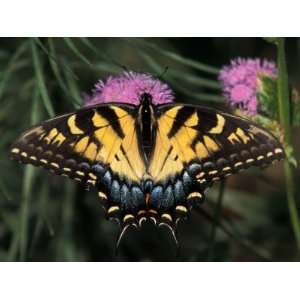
284,116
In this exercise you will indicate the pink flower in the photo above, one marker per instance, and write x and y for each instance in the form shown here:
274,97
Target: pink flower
127,87
241,82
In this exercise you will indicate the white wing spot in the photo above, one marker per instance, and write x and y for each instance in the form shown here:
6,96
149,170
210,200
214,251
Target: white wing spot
24,154
15,150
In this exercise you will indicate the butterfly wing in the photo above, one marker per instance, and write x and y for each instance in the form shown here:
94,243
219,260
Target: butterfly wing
196,146
96,146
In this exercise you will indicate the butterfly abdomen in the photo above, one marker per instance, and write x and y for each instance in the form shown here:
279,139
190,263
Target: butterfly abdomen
146,125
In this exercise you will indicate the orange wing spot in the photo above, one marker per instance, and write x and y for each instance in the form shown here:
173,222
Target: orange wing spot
147,199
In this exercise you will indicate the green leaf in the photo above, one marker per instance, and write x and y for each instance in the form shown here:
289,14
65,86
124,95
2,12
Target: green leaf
27,189
172,55
76,51
42,220
25,210
106,67
101,53
4,191
41,80
74,90
195,80
12,66
290,155
267,95
55,67
295,107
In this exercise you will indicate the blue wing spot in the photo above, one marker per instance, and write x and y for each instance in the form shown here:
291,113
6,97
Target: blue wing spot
179,192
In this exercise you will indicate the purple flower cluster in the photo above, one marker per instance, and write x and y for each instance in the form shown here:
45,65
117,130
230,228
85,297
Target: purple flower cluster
127,87
241,81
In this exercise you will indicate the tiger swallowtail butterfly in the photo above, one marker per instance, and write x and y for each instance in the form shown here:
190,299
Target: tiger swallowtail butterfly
147,161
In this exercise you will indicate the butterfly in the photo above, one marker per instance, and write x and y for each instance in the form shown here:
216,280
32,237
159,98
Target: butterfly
147,162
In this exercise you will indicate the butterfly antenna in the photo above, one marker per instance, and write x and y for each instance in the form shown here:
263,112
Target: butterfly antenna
159,77
163,73
125,68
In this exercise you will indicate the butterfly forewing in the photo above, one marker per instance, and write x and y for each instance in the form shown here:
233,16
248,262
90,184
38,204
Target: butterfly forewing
209,144
80,144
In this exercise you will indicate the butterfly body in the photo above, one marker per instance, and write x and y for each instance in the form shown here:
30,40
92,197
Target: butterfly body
146,161
146,125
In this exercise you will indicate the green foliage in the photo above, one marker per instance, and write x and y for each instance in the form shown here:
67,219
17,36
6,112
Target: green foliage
295,108
266,95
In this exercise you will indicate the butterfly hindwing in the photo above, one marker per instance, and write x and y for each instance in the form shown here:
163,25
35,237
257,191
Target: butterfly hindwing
94,144
200,145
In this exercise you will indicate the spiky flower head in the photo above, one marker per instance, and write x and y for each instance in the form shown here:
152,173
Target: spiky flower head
127,87
242,82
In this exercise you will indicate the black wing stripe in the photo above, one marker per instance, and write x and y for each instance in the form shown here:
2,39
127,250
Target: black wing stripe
182,115
110,115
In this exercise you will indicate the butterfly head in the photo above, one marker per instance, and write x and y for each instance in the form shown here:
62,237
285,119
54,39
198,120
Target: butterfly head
146,99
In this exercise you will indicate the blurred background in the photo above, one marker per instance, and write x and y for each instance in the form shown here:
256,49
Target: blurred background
49,218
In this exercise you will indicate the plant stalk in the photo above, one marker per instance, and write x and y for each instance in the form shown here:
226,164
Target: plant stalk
284,117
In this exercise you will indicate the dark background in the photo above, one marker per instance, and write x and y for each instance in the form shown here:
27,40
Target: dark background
48,218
